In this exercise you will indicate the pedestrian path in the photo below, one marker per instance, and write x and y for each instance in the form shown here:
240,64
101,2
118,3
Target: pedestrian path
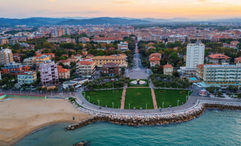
154,98
123,98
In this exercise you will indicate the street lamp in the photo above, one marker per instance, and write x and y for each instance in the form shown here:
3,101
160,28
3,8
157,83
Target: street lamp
129,106
163,104
113,104
146,106
98,102
177,102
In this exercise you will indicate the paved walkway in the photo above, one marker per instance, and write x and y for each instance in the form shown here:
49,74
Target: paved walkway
154,98
123,98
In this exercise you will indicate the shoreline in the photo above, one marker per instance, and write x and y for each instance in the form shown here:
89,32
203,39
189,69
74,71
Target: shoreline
32,115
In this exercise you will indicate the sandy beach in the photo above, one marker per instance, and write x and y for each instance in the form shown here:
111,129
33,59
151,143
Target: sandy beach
19,117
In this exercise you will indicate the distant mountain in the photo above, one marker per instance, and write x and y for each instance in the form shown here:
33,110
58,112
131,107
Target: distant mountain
36,21
39,21
104,20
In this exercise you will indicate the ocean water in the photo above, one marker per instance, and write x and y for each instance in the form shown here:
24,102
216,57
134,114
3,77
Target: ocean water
213,128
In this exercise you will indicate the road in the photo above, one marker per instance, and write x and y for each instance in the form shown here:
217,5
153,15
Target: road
137,71
192,102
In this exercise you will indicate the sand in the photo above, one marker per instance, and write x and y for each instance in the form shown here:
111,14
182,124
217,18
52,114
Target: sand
19,117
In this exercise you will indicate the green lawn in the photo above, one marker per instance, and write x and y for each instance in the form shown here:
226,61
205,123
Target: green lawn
21,96
105,97
138,97
164,98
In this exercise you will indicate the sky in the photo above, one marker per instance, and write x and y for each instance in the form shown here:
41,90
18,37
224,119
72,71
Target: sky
194,9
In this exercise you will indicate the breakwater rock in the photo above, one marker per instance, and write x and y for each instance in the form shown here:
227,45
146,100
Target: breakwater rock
152,119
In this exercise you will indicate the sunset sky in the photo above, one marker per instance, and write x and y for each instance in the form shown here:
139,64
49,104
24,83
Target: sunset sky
196,9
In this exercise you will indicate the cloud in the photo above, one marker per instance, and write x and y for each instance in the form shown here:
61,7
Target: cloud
52,0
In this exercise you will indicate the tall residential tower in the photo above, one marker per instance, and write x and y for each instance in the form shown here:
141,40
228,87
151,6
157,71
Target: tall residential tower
195,55
6,56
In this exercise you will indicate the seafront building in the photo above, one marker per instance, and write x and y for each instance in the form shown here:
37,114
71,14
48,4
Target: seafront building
6,56
116,59
27,77
49,73
222,75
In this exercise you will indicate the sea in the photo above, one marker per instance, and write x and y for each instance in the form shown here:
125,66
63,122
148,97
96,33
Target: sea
213,128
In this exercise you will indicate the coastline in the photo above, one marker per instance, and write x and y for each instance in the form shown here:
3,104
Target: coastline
34,114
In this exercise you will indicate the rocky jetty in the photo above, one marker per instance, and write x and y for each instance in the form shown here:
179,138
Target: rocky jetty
138,120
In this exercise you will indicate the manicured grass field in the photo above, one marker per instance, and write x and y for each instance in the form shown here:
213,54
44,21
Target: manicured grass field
138,97
165,98
105,98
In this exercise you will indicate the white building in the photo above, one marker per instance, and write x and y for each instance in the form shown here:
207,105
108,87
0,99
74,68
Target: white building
222,75
123,46
195,55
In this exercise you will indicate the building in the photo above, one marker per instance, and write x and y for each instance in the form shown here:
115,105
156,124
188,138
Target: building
27,77
14,68
107,40
41,58
4,41
123,46
168,69
218,58
195,55
86,68
222,75
238,60
155,59
29,61
63,73
199,73
111,69
120,60
6,56
49,73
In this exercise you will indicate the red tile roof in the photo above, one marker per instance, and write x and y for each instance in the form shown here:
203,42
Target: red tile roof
85,62
238,60
168,66
218,56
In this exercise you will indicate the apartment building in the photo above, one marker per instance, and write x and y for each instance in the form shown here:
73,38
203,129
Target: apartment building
49,73
63,73
195,55
86,68
41,58
6,56
223,75
123,46
27,77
